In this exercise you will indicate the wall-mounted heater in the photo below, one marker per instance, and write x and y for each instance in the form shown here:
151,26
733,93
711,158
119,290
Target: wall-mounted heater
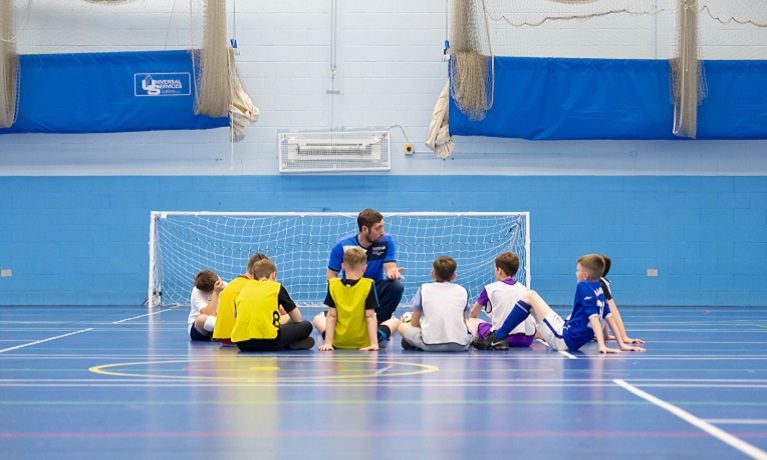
334,151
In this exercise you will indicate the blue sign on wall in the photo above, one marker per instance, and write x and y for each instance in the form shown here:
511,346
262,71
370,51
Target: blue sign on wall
162,84
108,92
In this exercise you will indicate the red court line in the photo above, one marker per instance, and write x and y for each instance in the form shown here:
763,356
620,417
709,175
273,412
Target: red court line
372,433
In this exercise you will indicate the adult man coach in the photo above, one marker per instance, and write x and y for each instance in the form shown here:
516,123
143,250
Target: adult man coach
381,260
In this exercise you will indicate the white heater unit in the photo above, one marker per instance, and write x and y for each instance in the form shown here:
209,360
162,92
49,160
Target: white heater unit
335,151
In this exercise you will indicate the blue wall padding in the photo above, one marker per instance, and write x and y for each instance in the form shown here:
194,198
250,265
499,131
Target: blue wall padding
83,240
556,99
96,93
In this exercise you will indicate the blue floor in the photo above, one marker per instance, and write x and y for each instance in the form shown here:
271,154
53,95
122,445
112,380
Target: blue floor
111,382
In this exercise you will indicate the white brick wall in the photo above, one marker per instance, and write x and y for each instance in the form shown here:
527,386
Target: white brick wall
389,72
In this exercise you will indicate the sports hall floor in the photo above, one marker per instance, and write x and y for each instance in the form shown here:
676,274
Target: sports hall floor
124,382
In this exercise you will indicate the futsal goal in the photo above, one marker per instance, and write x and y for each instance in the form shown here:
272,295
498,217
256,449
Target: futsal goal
183,243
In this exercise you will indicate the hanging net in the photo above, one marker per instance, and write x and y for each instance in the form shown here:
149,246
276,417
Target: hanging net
684,32
95,26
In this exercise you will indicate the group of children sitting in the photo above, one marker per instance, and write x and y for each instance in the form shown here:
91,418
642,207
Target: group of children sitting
255,312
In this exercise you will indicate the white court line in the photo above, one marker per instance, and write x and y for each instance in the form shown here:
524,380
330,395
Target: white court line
137,317
728,421
45,340
723,436
563,353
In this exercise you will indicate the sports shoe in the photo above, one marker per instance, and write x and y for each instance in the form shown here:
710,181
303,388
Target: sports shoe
491,342
303,344
227,343
407,346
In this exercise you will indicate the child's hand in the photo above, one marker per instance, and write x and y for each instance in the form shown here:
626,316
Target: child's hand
609,350
370,348
219,286
325,347
628,348
630,340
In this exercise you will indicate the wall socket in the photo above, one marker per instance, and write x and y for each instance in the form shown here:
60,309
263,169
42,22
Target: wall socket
6,272
652,272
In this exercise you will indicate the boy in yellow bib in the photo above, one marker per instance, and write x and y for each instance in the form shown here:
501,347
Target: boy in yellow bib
258,325
225,315
351,317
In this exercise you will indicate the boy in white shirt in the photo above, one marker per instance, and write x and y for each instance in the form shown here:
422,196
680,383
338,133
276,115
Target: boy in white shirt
204,301
439,313
497,299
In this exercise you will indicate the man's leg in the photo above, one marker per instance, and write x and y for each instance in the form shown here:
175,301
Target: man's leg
389,295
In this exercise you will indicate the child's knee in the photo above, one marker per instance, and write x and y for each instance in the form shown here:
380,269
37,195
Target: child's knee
319,321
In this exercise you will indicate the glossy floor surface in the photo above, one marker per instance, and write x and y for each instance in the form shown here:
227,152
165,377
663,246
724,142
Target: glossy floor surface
115,383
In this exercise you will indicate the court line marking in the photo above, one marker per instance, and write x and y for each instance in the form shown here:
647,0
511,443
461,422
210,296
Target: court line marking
137,317
729,421
424,369
723,436
561,352
44,340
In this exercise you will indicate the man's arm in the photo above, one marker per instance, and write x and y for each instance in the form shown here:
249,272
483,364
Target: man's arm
391,271
332,274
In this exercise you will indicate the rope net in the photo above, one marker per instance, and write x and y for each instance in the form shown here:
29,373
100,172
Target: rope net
681,31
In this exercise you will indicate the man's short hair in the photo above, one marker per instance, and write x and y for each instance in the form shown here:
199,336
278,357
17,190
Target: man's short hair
263,269
509,263
205,280
355,258
594,264
608,263
444,268
368,217
252,261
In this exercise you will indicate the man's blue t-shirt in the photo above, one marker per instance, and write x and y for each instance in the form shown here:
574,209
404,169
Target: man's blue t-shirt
379,253
589,301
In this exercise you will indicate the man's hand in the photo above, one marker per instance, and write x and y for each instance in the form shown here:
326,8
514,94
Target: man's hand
325,347
395,273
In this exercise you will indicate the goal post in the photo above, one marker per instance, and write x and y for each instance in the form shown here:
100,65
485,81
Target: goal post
183,243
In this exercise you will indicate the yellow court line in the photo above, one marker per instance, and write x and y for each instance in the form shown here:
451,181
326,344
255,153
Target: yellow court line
425,369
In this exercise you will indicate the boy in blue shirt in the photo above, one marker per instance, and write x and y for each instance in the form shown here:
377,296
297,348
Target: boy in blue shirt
590,310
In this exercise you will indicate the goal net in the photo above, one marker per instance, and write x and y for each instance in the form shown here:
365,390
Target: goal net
183,243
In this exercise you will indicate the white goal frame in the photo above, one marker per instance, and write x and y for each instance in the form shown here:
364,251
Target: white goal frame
520,223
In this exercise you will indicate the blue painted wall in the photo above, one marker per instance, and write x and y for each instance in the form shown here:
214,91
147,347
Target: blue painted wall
83,240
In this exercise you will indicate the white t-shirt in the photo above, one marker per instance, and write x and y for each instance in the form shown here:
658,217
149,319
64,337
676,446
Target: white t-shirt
444,307
199,301
502,297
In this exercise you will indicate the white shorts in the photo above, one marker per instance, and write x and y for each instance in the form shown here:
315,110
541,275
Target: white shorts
551,331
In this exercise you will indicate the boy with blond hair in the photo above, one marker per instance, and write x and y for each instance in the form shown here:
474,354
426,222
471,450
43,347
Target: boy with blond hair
351,316
497,299
590,309
204,304
439,313
258,326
